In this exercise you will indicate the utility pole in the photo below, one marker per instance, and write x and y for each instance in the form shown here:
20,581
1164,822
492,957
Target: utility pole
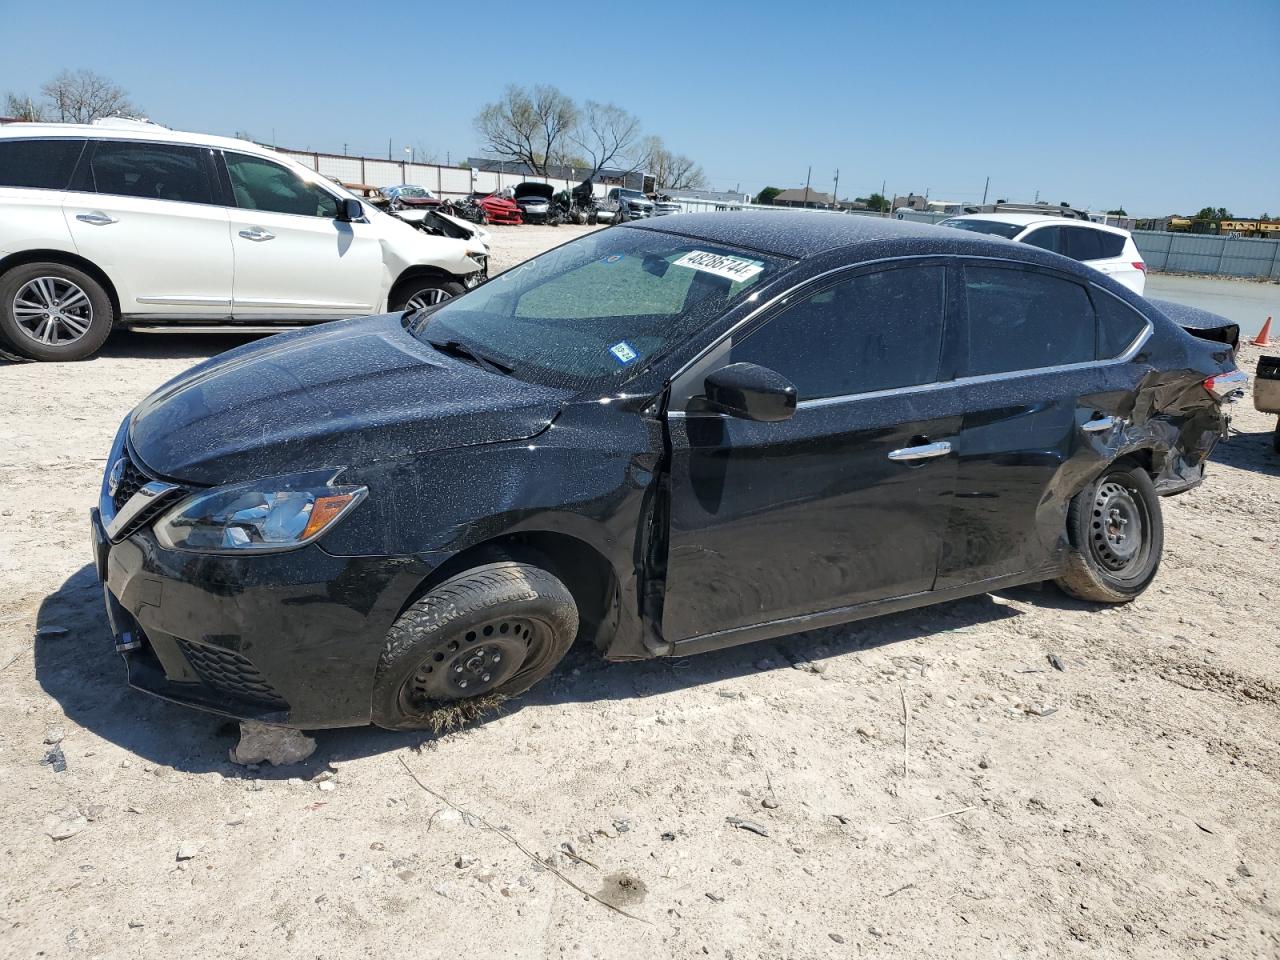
984,191
835,195
807,177
448,158
388,148
344,149
1037,195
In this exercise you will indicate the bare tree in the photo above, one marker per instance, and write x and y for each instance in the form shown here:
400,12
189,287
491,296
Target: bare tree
606,134
23,107
84,96
528,126
671,171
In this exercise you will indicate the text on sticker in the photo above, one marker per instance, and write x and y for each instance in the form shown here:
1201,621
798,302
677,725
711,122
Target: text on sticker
732,268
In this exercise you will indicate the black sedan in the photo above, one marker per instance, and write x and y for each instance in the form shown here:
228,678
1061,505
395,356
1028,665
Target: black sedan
660,439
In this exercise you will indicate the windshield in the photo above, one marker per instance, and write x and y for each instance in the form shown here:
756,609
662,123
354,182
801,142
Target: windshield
631,194
1006,230
599,309
415,192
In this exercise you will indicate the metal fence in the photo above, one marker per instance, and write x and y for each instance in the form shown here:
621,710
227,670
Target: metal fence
1197,253
444,182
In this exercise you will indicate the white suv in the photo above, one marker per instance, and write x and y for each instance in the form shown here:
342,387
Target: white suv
1109,250
126,223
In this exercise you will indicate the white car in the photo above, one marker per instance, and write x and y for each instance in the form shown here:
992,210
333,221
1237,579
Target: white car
128,224
1109,250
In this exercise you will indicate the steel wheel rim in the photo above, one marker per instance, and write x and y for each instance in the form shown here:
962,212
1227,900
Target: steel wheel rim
1118,527
52,311
476,661
427,298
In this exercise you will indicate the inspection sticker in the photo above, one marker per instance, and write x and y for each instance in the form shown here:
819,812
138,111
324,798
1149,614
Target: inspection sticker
731,268
623,352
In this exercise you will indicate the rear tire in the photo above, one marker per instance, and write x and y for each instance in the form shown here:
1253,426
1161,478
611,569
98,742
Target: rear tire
1116,531
50,311
475,640
426,292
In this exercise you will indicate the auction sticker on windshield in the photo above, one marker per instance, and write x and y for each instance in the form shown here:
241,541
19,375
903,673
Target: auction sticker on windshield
722,265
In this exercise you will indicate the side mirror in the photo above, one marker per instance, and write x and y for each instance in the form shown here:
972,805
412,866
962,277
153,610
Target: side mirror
349,209
751,392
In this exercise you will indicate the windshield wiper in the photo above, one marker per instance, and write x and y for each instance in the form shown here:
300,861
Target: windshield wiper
456,348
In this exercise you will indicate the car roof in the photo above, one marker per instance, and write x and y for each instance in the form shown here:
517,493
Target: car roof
1035,219
121,129
801,235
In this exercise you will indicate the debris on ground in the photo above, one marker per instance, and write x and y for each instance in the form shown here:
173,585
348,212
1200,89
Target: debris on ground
55,759
65,825
749,825
188,850
1056,662
278,746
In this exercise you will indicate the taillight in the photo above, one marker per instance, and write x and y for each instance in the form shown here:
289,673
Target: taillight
1224,386
1139,265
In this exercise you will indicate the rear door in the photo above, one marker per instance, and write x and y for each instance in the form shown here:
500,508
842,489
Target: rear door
843,504
150,216
293,258
1039,414
34,173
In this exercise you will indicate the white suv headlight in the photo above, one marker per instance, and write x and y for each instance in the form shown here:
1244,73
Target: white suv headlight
265,516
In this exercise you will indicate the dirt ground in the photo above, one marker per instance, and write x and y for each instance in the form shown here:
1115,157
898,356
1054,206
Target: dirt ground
1126,806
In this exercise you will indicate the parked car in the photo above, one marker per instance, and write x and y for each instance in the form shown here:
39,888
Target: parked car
536,201
1107,249
127,224
623,205
665,206
661,439
1266,392
499,209
409,195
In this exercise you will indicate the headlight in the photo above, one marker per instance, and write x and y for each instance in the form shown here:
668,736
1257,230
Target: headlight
265,516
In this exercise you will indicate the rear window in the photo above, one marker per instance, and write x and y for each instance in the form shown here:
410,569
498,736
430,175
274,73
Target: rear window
993,227
1022,319
1082,243
154,171
42,164
1118,324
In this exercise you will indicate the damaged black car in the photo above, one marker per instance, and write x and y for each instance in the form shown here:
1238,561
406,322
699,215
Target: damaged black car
661,439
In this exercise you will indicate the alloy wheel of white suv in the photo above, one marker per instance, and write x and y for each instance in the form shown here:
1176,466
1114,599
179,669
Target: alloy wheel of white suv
51,311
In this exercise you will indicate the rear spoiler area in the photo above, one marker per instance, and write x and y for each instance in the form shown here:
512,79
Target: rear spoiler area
1201,323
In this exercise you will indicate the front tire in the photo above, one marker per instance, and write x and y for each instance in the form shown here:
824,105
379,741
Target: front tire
423,293
1116,531
480,637
50,311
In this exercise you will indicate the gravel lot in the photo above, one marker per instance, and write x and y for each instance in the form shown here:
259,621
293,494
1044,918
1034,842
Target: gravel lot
1140,818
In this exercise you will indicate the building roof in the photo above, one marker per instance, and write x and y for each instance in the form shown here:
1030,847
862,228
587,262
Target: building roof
798,196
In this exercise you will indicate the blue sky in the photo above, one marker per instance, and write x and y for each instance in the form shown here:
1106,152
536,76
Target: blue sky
1161,107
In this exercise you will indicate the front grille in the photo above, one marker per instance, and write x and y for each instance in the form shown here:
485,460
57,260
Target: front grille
230,673
131,481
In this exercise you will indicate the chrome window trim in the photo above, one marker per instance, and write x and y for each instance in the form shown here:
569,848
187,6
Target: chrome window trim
1129,353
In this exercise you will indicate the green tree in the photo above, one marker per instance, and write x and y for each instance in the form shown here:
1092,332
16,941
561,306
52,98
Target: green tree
878,203
1213,213
1118,212
766,195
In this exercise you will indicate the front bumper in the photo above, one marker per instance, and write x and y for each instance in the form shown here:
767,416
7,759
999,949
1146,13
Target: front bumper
287,638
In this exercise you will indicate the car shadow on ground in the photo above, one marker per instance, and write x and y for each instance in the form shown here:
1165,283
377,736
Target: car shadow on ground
160,346
76,665
1249,451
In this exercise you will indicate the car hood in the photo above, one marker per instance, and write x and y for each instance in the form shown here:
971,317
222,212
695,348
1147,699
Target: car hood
346,393
534,191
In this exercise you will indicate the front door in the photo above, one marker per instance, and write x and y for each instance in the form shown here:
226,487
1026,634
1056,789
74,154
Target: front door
148,214
841,505
293,258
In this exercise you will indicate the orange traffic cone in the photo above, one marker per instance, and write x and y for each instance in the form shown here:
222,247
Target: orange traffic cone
1263,339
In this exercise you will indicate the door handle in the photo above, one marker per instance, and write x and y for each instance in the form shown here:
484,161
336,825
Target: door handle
926,451
1099,425
97,219
257,234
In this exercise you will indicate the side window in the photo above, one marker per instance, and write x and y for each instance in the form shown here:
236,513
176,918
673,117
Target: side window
1118,324
43,164
871,332
1083,243
1020,320
259,184
155,171
1046,238
1112,244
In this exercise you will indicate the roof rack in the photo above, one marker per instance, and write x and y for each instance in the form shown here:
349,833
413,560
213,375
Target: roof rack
128,123
1043,209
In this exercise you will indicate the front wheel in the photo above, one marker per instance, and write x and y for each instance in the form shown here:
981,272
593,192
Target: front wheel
475,640
1116,531
420,294
50,311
